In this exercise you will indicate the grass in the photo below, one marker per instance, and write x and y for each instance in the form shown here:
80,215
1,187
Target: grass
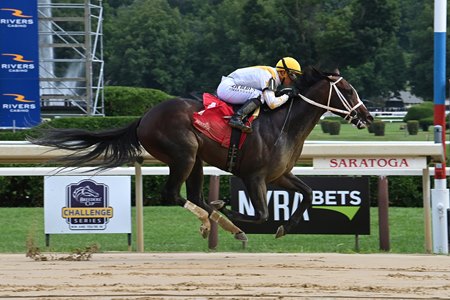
393,132
173,229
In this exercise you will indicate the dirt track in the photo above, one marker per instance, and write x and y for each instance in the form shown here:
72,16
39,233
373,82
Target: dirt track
227,276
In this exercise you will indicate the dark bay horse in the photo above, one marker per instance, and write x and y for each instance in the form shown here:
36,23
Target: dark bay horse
267,156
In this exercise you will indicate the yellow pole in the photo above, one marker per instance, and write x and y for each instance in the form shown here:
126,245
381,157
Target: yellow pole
427,209
139,208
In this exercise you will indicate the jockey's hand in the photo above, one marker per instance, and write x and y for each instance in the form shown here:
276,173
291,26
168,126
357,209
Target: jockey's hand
291,91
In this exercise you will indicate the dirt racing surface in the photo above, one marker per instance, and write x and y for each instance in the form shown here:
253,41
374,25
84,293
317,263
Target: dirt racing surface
227,276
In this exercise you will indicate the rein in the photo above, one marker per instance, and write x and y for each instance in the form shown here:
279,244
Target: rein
349,109
285,122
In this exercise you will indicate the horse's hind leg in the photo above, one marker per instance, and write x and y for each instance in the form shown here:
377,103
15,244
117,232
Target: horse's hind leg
180,171
194,189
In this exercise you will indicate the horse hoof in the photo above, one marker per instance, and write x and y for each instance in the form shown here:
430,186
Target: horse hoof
204,231
280,232
240,236
217,204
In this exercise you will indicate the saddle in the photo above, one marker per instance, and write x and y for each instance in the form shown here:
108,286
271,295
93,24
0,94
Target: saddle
212,121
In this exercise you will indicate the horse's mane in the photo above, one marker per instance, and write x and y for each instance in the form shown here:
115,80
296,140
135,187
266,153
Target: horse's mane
310,77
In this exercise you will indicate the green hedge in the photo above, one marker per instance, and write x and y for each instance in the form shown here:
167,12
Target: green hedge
331,125
324,125
413,127
425,123
334,127
131,101
420,111
378,128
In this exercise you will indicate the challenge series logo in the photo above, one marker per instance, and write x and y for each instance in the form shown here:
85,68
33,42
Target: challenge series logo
87,205
17,63
19,103
15,18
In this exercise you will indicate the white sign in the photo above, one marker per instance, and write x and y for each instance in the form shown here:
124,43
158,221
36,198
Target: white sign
352,163
87,204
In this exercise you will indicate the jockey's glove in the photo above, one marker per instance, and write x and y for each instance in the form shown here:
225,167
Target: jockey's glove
290,91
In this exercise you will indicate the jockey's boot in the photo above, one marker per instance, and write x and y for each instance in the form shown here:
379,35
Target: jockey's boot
247,108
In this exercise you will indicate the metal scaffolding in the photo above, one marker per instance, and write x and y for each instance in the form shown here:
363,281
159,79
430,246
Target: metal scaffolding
71,57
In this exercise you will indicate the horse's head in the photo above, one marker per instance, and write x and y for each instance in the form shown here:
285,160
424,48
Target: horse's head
333,93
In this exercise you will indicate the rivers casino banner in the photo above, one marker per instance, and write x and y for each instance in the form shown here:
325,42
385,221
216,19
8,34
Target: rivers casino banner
87,204
19,64
340,205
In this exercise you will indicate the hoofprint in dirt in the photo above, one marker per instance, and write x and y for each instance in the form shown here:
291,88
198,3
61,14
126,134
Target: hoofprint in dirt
227,276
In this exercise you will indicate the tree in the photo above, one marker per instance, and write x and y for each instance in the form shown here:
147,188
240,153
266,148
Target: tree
184,46
146,46
421,65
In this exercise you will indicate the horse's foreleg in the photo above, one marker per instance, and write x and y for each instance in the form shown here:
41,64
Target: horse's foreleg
257,192
198,206
291,182
202,215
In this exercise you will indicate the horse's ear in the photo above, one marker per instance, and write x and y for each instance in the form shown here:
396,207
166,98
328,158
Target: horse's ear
336,71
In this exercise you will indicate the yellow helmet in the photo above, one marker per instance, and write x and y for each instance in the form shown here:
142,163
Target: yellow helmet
291,66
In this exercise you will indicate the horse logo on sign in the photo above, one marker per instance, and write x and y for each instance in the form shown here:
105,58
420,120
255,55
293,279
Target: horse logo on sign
87,205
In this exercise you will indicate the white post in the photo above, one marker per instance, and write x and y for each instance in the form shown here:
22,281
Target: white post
440,193
439,207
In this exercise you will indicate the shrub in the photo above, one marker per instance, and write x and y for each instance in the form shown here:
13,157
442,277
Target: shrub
334,127
131,101
324,124
21,191
413,127
9,135
425,123
419,111
370,127
378,128
404,191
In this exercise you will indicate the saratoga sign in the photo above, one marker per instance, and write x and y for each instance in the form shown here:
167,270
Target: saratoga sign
370,163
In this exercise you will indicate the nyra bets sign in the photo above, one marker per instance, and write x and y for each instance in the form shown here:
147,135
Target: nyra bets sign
83,204
340,205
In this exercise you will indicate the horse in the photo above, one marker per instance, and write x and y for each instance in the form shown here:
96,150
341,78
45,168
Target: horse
268,155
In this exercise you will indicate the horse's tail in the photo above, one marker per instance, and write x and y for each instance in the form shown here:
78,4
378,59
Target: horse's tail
105,149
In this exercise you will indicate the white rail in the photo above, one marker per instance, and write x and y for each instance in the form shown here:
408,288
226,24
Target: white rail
305,171
24,152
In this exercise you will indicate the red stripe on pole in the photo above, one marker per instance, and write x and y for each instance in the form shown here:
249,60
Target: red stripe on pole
439,119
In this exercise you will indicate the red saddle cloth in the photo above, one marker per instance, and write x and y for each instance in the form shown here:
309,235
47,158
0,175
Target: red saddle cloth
213,123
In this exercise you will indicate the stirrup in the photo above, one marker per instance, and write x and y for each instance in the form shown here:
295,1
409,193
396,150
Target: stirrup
240,125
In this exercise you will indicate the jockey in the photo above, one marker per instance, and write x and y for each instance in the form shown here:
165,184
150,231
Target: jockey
253,86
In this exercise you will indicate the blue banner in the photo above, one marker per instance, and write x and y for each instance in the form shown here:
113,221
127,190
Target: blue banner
19,64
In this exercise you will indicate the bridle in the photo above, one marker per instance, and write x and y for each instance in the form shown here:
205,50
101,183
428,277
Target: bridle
350,112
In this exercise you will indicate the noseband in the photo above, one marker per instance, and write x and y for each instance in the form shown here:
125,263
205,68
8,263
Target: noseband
350,112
